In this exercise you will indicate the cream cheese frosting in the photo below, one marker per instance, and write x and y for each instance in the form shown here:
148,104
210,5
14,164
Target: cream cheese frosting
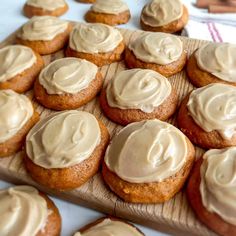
110,228
14,60
23,211
213,107
94,38
15,111
138,89
159,48
43,28
161,12
49,5
219,59
218,183
63,139
67,75
160,151
110,6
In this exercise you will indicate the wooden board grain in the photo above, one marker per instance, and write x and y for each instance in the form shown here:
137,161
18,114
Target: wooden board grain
174,216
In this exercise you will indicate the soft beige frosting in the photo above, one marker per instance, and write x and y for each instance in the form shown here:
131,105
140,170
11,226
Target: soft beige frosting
218,59
138,89
42,28
218,183
110,6
159,48
110,228
15,111
161,12
213,107
23,211
147,151
94,38
49,5
14,60
67,75
63,139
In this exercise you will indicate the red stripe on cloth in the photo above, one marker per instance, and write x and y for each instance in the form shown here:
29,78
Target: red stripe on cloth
211,32
217,32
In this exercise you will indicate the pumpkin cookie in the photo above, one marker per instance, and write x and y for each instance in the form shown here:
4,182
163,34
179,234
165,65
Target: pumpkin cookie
45,8
211,190
167,16
44,34
19,66
26,211
213,63
65,149
161,52
17,116
151,169
135,95
207,116
101,44
110,12
67,83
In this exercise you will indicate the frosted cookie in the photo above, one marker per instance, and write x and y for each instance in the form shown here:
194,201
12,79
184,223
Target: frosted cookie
211,190
207,116
26,211
65,149
161,52
17,116
148,162
135,95
67,83
44,34
98,43
110,12
19,66
167,16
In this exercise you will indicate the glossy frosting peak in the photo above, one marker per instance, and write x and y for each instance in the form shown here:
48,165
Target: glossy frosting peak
218,183
138,89
49,5
160,152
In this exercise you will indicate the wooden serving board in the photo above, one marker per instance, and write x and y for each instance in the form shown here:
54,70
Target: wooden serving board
174,216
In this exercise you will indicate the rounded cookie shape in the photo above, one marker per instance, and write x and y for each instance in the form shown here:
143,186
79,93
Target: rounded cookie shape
44,34
110,12
161,52
211,190
19,66
155,170
135,95
65,149
98,43
167,16
67,83
26,211
207,116
45,7
17,116
213,63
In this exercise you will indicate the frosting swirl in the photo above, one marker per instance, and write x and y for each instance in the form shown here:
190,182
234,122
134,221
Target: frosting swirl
49,5
138,89
15,59
218,183
94,38
109,6
159,48
67,75
218,59
23,211
15,111
63,139
160,155
42,28
161,12
213,107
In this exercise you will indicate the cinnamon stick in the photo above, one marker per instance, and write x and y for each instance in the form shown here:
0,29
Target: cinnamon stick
221,9
207,3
